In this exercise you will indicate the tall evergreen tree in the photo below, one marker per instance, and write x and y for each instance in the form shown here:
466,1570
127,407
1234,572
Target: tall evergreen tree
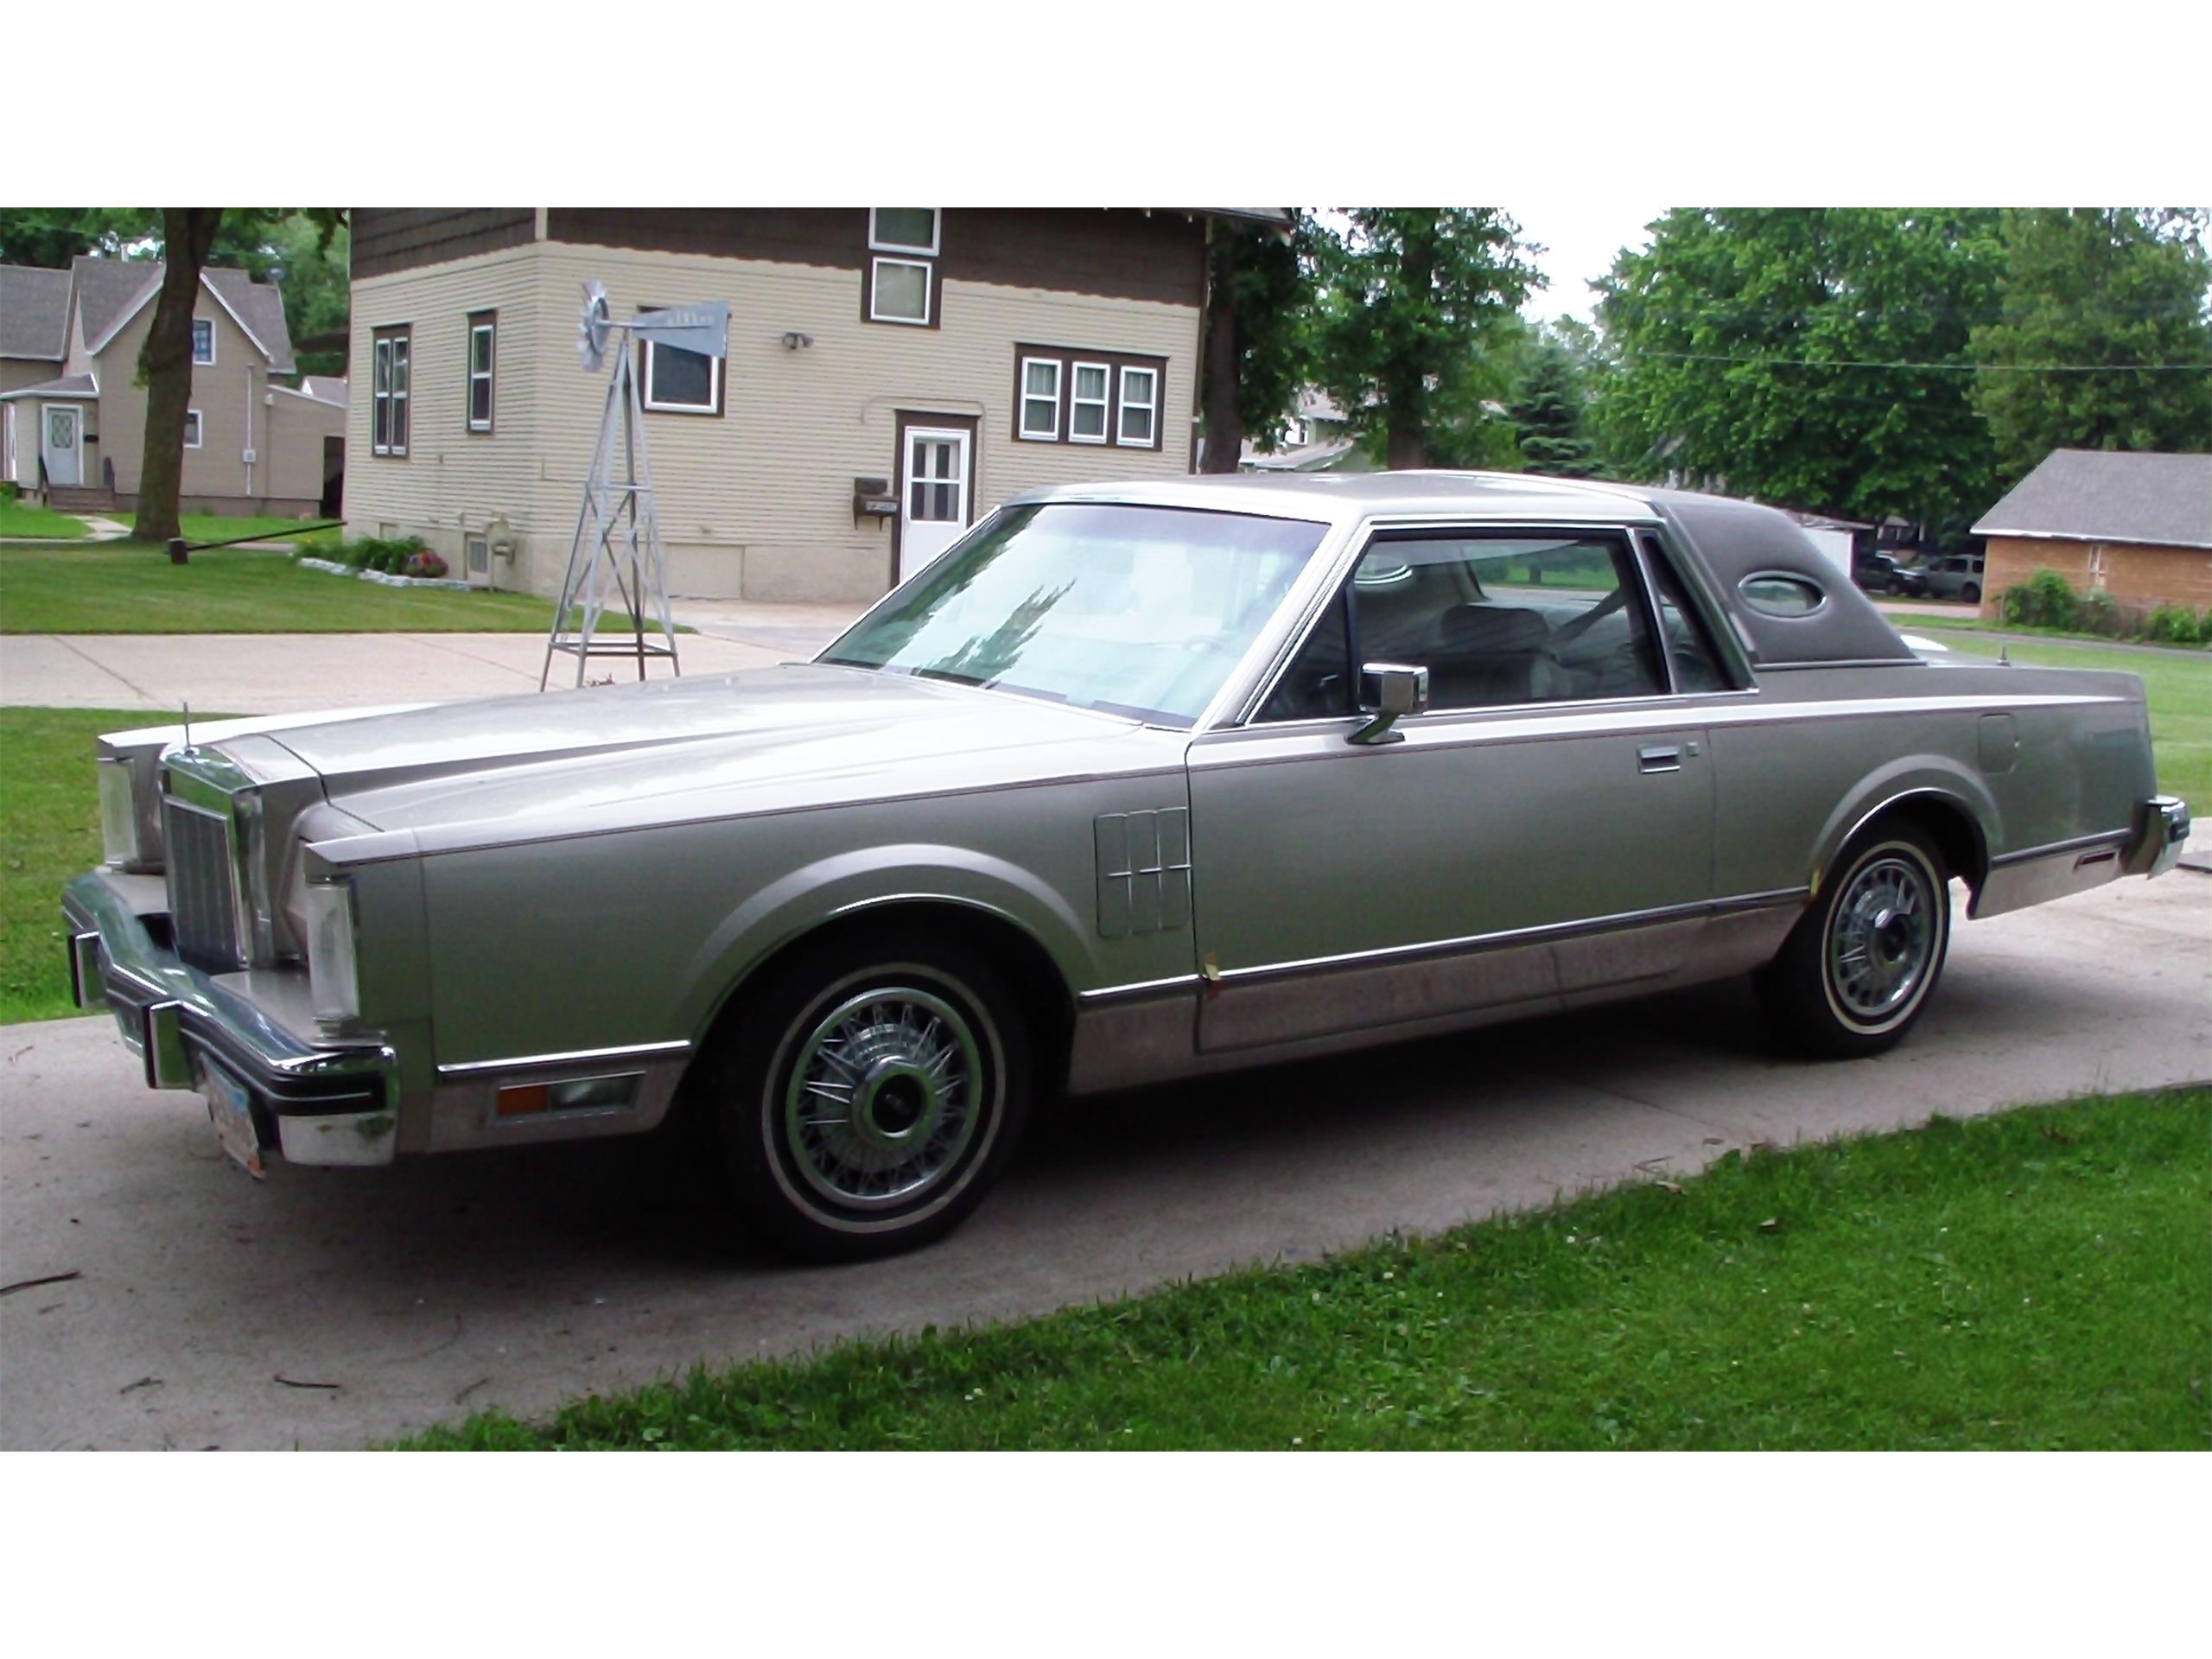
1258,348
1550,414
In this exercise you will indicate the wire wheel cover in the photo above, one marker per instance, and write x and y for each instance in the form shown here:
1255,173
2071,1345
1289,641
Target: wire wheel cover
885,1093
1882,941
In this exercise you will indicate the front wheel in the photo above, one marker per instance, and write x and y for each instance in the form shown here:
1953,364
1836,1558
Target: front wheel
1971,593
1862,962
865,1103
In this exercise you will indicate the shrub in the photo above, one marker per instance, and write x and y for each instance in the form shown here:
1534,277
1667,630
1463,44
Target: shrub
424,563
2100,615
10,491
2176,625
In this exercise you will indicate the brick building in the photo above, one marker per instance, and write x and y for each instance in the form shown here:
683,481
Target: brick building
2136,526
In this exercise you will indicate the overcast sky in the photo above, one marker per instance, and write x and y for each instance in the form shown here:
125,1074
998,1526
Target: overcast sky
1580,241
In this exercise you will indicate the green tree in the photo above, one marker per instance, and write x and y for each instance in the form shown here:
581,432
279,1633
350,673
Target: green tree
1816,357
1258,349
1414,303
2115,292
52,237
1550,412
307,251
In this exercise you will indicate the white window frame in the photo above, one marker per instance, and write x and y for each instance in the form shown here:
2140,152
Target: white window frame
491,332
380,396
1052,434
1103,402
875,289
7,440
194,428
208,361
878,244
1150,406
712,406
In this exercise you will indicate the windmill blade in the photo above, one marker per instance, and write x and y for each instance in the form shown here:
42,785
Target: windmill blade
593,327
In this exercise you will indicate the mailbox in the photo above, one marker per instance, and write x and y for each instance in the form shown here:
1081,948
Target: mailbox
873,499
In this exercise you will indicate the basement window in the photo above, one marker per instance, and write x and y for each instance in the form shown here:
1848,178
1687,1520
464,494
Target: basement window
191,429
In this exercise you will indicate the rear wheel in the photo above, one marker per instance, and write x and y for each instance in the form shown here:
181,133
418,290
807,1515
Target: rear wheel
868,1099
1971,593
1862,962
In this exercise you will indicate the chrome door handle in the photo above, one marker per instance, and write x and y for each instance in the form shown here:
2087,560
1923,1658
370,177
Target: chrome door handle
1667,757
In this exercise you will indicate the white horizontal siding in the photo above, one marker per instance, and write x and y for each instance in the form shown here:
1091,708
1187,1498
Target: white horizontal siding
759,500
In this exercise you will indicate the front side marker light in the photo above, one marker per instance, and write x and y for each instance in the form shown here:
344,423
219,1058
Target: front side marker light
118,818
333,984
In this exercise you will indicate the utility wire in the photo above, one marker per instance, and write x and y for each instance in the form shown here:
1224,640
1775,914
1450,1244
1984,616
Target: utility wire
1953,368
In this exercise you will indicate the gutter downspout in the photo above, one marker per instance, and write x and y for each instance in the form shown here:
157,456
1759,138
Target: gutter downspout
249,434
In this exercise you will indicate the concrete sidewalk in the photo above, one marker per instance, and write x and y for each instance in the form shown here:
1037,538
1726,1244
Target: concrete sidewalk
289,673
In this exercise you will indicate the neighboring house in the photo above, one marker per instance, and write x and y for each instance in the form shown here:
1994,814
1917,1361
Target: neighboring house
927,363
1316,438
2136,526
75,417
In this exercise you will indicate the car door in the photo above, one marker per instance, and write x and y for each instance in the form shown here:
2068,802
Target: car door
1545,828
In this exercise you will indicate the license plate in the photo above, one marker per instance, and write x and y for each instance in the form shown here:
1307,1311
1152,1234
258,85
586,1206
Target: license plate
229,1106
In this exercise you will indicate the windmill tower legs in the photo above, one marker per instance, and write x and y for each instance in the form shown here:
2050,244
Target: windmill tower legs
617,544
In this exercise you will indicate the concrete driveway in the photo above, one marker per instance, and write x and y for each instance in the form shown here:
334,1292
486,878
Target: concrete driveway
332,1307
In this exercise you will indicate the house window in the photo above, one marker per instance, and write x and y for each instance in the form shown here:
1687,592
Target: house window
1040,397
902,230
899,292
1139,421
203,340
1087,402
678,382
191,429
1064,396
903,246
480,555
389,392
483,330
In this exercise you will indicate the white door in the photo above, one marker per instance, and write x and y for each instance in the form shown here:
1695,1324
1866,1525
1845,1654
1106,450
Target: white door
60,436
932,495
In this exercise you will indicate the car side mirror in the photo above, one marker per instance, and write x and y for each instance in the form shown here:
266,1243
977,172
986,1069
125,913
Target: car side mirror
1390,692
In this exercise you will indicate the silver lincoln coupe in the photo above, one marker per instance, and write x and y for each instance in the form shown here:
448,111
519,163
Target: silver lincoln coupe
1134,782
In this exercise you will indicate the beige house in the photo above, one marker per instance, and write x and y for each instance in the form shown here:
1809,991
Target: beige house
892,374
2135,525
72,414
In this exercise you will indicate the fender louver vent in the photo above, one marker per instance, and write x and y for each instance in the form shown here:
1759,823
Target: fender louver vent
1144,872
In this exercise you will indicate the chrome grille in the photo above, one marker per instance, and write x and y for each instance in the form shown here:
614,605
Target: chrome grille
203,887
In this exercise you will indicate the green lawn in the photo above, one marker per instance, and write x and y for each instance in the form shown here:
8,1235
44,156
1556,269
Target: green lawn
1923,622
22,518
49,834
2179,689
131,588
2040,1279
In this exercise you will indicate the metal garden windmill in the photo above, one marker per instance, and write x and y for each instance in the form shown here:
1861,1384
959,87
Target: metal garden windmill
618,532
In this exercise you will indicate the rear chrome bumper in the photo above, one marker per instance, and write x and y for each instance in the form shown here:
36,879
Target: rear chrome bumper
316,1103
2161,830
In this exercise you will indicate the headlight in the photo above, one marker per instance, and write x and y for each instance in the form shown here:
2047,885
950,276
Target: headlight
332,984
118,814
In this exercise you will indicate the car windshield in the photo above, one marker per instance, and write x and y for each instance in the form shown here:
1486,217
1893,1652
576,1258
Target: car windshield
1133,611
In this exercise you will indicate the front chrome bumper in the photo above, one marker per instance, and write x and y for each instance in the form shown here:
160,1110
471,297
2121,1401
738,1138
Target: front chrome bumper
2161,830
316,1103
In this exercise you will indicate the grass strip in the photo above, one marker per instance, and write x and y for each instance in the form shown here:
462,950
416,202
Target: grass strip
2041,1278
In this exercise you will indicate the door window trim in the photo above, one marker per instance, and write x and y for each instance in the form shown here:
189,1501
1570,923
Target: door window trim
1368,533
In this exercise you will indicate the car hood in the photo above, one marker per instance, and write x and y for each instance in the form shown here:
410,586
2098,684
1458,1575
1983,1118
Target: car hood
666,751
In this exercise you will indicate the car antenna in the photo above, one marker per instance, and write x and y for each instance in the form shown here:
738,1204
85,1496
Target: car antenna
2004,654
188,725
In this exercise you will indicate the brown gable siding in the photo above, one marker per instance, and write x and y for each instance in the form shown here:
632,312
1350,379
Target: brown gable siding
1115,253
386,239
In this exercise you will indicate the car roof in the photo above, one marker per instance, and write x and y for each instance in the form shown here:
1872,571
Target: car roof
1735,540
1338,498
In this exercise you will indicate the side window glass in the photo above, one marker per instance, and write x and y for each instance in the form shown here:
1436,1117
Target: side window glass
1503,620
1696,665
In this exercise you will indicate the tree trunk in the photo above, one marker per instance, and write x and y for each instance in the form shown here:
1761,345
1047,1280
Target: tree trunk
1405,420
187,234
1225,419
